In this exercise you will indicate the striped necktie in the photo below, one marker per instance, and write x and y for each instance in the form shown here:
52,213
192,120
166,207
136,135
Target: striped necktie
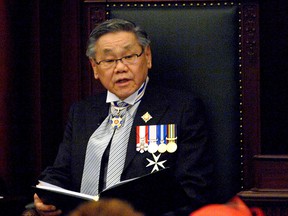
97,144
118,147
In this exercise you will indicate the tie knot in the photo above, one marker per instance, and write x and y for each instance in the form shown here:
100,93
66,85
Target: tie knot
121,104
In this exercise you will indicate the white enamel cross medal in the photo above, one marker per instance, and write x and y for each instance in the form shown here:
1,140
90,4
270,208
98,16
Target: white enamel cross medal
116,122
156,163
141,139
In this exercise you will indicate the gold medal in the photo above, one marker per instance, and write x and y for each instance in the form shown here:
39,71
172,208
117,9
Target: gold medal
162,148
171,147
171,138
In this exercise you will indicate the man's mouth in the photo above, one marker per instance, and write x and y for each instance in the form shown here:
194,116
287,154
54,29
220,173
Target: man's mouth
122,80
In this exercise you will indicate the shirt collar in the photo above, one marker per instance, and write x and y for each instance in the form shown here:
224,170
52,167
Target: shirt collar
131,99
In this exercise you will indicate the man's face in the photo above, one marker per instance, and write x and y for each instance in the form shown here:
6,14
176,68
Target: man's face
122,79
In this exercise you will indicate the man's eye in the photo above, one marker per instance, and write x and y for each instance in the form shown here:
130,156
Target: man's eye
109,60
128,57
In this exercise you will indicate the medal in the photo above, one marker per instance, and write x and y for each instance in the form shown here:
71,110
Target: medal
171,138
152,147
141,138
171,147
156,163
116,122
152,133
155,138
162,133
142,146
162,148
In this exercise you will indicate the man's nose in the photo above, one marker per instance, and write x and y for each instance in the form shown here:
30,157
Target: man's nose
120,66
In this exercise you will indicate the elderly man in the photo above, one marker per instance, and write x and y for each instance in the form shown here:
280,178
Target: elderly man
133,129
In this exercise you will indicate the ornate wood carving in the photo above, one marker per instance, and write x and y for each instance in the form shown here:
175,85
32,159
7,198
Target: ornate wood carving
250,34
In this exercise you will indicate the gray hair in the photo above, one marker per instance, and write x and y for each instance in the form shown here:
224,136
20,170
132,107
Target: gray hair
115,25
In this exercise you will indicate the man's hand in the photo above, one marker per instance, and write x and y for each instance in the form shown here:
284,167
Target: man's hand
45,210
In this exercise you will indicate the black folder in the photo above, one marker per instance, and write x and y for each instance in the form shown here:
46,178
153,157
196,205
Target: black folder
152,194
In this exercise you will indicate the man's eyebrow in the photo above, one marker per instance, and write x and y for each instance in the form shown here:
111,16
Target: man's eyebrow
107,51
127,47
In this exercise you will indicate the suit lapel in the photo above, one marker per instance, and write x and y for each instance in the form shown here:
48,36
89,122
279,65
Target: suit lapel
149,103
96,115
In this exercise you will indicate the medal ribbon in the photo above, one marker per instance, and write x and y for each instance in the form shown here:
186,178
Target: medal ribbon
141,91
161,133
141,133
141,138
152,133
171,135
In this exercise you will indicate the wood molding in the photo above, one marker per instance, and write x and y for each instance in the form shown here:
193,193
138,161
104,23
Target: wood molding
250,89
273,203
271,172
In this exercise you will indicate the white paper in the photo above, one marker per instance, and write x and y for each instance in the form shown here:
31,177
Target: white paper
51,187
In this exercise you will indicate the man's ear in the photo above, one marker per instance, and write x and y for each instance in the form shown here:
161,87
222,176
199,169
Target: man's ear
148,56
94,67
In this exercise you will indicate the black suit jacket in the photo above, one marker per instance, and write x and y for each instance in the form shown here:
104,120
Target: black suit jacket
191,163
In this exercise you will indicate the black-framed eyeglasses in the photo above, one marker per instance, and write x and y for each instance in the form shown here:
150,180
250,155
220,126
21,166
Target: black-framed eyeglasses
127,60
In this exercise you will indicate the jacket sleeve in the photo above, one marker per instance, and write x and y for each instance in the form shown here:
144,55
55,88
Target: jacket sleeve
60,173
194,166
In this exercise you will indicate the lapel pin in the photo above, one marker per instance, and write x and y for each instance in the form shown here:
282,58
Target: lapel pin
146,117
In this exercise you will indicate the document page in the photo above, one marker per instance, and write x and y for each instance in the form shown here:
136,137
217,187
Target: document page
51,187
